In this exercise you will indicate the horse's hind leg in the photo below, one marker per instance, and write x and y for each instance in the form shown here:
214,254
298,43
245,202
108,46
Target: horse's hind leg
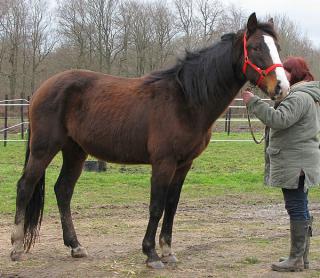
32,177
73,158
172,201
162,174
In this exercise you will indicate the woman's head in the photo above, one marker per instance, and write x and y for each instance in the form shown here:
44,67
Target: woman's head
297,70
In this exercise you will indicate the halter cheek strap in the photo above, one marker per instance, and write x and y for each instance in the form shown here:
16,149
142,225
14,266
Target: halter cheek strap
262,73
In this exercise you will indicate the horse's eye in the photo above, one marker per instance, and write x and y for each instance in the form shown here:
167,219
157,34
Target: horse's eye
256,48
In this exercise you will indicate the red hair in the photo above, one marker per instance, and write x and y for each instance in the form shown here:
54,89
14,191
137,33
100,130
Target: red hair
298,69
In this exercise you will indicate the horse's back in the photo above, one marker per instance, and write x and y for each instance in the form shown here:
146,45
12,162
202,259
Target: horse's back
76,81
104,114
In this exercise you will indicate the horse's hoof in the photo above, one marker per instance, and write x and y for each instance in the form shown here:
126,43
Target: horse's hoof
79,252
155,265
16,255
170,259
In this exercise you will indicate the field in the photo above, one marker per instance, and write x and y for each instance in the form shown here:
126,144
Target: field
227,225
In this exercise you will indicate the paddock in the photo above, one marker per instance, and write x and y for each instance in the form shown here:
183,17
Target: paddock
227,225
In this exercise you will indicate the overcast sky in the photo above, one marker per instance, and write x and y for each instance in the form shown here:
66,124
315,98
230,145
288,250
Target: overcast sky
305,13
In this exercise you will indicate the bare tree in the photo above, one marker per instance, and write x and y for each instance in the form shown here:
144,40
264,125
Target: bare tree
185,17
3,36
164,32
210,14
233,20
102,15
124,22
41,36
25,62
12,23
73,25
288,34
294,43
126,37
141,34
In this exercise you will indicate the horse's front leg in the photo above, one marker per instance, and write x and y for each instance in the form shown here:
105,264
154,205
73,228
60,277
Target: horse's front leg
172,201
162,174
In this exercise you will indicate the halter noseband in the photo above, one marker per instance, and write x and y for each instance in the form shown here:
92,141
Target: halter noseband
262,73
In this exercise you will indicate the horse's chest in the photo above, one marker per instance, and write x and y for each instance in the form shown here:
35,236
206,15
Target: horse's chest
186,151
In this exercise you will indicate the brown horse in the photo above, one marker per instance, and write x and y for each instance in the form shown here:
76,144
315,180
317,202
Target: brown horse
163,119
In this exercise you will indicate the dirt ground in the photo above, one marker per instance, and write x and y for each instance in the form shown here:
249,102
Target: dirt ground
215,237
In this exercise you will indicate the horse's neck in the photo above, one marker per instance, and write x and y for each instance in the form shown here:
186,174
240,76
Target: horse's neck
218,102
217,106
224,90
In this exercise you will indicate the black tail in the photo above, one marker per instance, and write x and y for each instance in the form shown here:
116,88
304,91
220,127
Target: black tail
34,209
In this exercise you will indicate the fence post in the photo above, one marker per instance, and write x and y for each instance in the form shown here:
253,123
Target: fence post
28,125
21,116
226,121
229,121
5,121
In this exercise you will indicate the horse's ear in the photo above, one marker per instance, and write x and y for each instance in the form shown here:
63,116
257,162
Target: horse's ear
271,21
252,23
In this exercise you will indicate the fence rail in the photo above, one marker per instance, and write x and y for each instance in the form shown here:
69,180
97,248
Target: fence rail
8,126
228,118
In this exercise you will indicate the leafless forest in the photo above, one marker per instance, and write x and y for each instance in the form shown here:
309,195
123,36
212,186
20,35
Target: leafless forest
121,37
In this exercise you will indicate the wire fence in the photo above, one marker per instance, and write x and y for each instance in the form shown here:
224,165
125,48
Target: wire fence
14,120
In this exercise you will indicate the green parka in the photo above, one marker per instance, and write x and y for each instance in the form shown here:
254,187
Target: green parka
293,140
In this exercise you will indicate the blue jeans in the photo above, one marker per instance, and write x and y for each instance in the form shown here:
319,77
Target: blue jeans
296,201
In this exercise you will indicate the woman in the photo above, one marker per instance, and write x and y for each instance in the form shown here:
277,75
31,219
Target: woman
294,153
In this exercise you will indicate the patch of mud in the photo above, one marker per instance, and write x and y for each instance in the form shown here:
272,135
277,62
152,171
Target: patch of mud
215,237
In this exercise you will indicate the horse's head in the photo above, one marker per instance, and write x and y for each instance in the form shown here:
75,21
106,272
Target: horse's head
261,62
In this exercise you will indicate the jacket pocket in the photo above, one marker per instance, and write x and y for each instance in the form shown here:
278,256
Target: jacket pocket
272,151
277,166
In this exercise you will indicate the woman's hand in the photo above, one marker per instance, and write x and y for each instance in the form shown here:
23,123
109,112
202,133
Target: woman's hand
246,96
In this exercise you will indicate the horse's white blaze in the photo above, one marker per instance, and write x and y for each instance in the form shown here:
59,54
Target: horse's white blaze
280,73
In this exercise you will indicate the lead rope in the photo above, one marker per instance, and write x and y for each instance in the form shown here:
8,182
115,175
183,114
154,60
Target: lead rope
251,130
258,142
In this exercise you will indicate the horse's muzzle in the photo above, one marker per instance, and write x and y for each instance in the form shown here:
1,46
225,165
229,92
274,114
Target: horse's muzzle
280,91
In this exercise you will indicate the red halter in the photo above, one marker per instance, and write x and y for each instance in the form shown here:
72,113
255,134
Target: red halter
262,73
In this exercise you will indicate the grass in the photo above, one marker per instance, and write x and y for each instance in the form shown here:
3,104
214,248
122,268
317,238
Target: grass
251,260
228,170
233,168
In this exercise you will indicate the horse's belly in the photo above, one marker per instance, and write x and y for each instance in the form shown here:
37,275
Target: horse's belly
119,152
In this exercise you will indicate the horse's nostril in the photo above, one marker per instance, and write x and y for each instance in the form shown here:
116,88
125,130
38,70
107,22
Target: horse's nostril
278,89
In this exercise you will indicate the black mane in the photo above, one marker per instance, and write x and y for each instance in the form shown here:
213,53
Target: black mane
201,72
206,70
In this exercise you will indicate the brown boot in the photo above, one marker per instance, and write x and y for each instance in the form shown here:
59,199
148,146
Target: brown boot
298,232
